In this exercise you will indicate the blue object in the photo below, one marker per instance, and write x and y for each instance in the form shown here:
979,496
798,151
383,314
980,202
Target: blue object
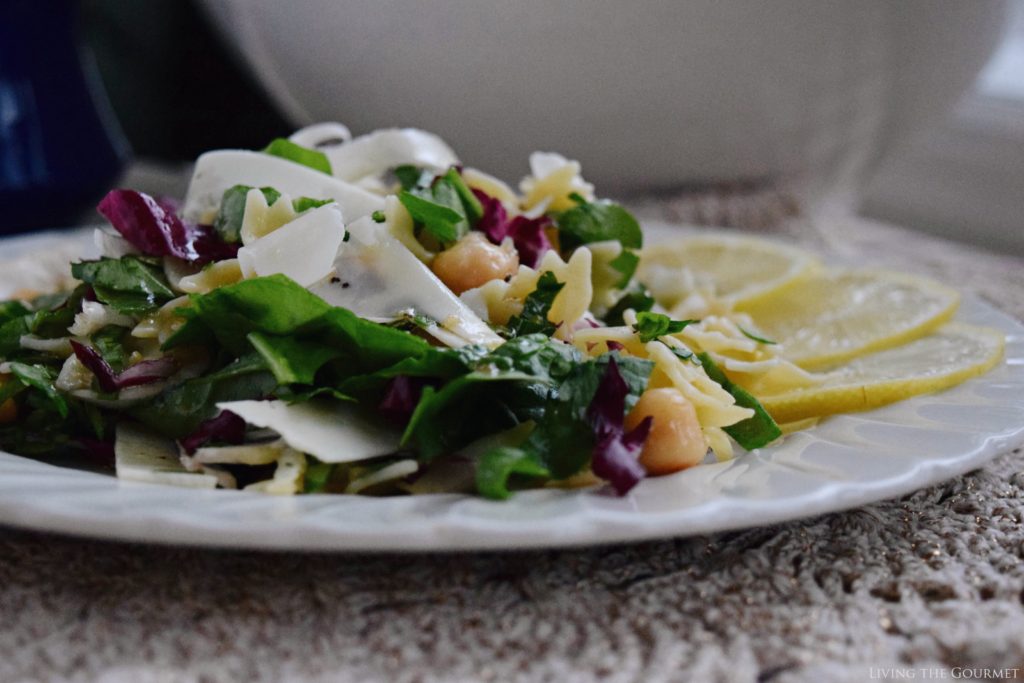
60,146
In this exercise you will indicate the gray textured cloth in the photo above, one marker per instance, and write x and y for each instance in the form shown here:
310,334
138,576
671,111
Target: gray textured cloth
930,583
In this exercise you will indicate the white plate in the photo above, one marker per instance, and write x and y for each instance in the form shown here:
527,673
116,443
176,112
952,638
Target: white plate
846,461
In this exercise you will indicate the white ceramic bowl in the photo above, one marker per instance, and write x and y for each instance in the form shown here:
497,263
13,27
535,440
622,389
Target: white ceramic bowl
650,93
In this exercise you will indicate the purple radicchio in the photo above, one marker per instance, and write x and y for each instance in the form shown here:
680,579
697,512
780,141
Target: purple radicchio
153,227
616,452
400,398
226,427
146,372
528,234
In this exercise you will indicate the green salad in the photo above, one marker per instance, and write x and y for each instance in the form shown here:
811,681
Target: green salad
367,315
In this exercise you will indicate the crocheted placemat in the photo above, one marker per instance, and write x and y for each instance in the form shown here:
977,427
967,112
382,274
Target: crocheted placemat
929,586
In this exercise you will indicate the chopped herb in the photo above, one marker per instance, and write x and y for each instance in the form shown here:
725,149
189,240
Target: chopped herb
473,208
412,177
306,203
637,298
534,316
497,467
286,149
129,284
378,216
318,476
228,223
439,220
754,432
756,338
650,326
41,378
598,222
626,263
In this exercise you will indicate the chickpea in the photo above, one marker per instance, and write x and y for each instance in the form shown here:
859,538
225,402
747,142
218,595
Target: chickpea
473,261
675,441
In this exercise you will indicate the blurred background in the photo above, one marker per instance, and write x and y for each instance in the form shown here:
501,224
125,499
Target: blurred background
908,112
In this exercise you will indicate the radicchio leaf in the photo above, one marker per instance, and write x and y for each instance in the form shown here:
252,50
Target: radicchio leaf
145,372
528,234
226,427
153,227
400,398
615,454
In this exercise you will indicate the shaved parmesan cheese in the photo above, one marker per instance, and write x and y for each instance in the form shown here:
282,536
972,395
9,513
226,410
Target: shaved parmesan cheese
260,219
289,476
220,170
111,244
246,454
375,153
397,470
304,249
326,134
381,279
331,431
144,457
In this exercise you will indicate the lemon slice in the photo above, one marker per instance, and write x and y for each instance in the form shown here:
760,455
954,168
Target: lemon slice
953,354
832,317
741,270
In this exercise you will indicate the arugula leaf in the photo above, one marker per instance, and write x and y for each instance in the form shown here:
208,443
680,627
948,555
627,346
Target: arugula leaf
41,378
435,363
318,476
11,333
534,316
306,203
180,410
438,219
412,177
637,298
683,354
757,430
56,313
505,387
564,438
9,310
596,222
228,223
286,149
626,263
750,335
292,360
533,354
9,388
296,331
444,206
473,209
274,304
109,341
496,467
129,284
650,326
